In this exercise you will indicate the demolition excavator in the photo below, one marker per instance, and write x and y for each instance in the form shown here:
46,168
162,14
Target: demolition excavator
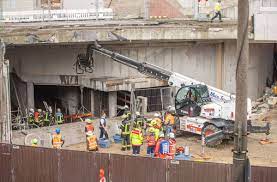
201,109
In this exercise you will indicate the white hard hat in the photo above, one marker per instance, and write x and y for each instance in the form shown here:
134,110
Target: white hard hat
161,135
157,114
172,109
171,135
32,110
58,110
39,110
89,133
138,113
126,107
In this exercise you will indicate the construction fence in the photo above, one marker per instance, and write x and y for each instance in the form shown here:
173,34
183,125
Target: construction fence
33,164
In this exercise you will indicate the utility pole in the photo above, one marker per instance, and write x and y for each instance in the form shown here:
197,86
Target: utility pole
240,139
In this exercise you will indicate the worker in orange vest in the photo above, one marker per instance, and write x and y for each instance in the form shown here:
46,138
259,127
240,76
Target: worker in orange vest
158,120
89,126
169,120
102,175
57,139
172,146
92,143
151,141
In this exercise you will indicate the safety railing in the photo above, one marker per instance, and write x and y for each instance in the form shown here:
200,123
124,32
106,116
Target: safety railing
57,15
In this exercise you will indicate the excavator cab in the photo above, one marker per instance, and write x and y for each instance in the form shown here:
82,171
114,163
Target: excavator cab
189,99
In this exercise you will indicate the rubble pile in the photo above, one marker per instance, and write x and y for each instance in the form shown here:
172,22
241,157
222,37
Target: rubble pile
262,106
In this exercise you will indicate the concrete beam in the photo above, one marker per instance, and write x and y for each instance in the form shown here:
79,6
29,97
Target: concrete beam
66,34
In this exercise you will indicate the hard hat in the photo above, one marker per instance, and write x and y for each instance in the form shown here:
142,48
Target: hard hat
89,133
31,110
126,107
151,130
172,109
58,110
34,141
171,135
58,130
161,135
87,120
153,122
157,114
39,110
138,113
169,107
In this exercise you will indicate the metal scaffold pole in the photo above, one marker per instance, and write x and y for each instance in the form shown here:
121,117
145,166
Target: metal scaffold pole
240,139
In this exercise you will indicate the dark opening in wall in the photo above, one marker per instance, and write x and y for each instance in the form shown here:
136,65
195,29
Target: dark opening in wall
67,98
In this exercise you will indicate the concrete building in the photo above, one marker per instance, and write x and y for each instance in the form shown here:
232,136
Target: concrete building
42,60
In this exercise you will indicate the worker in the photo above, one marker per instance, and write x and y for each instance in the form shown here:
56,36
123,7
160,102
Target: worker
57,139
172,146
103,126
89,126
151,141
139,120
102,175
162,147
217,9
156,129
157,118
169,120
126,113
34,142
46,120
136,139
59,116
92,143
31,116
38,117
125,134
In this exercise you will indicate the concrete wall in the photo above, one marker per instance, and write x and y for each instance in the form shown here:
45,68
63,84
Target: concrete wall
18,5
46,65
260,68
84,4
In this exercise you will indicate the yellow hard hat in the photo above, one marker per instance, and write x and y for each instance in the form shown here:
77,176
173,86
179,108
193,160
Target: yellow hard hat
151,130
153,122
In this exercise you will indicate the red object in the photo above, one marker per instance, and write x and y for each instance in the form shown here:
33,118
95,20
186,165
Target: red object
78,116
172,148
89,127
151,141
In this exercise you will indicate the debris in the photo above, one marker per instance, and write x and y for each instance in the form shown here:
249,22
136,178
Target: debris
266,141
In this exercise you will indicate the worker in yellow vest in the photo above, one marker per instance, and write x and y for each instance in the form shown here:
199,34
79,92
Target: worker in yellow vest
92,143
57,139
217,9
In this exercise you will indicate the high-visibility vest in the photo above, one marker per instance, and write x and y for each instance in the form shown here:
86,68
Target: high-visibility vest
136,137
217,7
34,145
151,141
159,122
169,119
59,118
172,148
125,128
92,142
57,141
89,127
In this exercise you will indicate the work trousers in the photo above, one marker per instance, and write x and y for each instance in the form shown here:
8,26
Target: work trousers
150,150
103,132
126,142
216,15
136,149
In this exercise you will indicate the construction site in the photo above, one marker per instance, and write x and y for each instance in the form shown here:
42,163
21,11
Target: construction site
150,90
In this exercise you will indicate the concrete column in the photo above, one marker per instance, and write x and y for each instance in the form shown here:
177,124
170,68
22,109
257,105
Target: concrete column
92,104
219,64
30,95
112,104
